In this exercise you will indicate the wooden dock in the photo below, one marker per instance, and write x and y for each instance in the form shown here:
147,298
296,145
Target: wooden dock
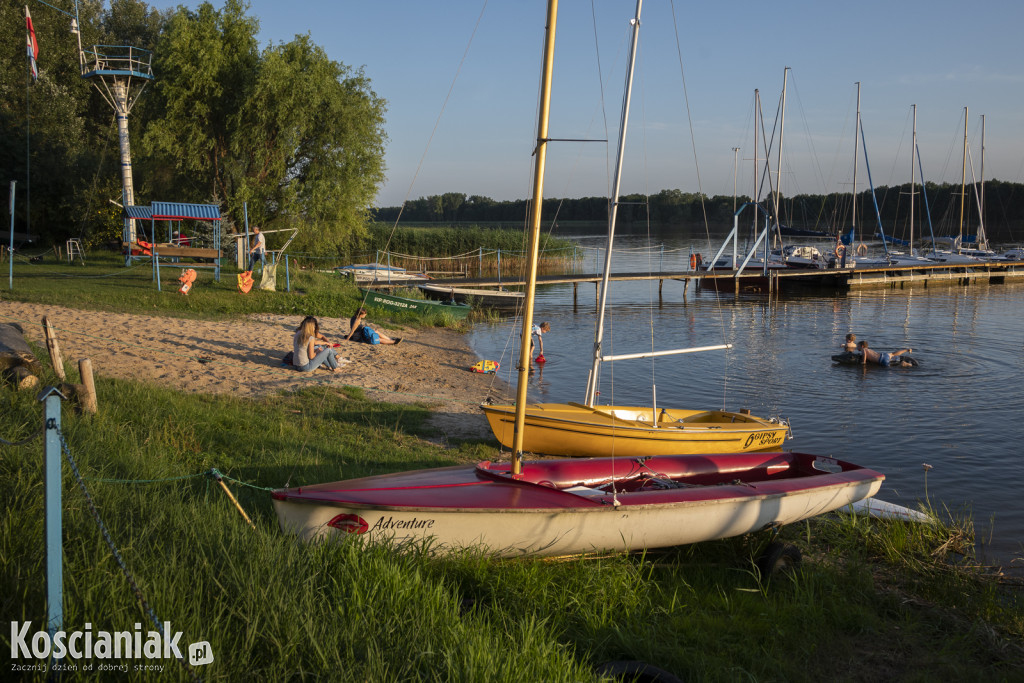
777,281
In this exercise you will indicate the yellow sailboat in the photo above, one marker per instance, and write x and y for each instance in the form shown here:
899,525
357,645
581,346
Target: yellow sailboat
575,429
585,430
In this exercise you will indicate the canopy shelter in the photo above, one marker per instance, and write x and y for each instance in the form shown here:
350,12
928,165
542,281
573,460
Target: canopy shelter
165,222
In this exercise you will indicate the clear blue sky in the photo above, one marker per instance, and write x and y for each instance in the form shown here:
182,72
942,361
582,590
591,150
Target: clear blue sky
940,55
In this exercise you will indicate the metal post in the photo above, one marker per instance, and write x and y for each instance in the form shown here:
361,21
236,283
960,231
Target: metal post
499,268
52,515
287,277
480,262
10,252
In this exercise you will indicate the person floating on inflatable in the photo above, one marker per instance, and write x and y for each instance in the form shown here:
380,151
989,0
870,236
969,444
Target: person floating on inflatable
883,359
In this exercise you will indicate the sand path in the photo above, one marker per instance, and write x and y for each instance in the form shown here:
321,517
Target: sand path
243,357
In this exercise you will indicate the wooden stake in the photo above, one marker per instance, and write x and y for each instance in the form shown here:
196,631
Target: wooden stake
88,397
54,349
233,500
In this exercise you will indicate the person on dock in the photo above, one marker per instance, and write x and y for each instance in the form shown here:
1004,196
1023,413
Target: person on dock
883,359
305,356
361,332
850,344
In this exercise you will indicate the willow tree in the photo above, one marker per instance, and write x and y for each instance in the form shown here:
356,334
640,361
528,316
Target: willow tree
297,136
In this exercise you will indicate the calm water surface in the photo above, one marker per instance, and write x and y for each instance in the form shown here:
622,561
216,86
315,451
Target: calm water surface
960,411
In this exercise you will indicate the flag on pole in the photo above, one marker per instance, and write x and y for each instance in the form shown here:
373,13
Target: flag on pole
31,45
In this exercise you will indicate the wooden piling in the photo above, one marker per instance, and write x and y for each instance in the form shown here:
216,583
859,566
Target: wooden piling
88,397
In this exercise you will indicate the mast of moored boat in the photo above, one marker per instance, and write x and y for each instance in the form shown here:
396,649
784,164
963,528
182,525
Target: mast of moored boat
963,185
856,147
534,238
912,177
778,172
613,211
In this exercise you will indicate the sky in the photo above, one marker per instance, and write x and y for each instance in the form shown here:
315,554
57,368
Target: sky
460,78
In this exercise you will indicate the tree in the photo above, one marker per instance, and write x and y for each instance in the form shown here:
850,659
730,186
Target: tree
294,135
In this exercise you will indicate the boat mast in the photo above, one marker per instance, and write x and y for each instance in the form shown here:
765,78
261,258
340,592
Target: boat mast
735,168
912,176
963,184
856,147
614,210
778,173
534,239
982,237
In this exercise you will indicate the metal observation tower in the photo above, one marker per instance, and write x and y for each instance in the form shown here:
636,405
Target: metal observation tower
120,73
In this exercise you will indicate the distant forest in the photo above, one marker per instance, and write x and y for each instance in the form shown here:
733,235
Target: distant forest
1003,212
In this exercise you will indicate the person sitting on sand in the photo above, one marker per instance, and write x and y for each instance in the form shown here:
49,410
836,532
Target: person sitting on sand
304,354
883,359
361,332
850,344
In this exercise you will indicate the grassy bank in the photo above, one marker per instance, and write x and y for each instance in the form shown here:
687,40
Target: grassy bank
105,284
871,601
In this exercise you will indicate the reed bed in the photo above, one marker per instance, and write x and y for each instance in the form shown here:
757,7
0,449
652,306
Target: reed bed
872,600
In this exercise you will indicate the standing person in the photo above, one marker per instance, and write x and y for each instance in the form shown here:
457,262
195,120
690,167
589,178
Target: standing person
258,250
850,344
883,359
304,355
359,331
539,331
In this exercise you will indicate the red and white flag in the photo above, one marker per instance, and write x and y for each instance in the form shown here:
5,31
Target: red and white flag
31,45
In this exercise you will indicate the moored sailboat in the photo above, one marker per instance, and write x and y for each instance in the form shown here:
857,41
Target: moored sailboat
588,430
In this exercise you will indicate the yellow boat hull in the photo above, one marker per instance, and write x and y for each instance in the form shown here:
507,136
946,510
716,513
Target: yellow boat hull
575,430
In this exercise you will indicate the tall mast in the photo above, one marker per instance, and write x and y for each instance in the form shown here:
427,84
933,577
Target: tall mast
982,238
534,239
613,213
963,182
856,146
912,176
735,167
757,192
778,176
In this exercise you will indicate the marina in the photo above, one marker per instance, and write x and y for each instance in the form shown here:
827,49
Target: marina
894,276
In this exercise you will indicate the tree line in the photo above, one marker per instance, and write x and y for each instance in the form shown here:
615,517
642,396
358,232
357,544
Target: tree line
281,131
1003,210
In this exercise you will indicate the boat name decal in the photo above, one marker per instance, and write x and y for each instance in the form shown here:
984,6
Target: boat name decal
390,302
763,439
391,523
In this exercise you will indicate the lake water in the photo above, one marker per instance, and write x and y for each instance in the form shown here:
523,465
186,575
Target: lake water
960,411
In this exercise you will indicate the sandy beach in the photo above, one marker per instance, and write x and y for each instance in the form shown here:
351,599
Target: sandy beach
243,357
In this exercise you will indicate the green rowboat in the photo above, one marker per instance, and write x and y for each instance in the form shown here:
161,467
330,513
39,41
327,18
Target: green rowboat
391,302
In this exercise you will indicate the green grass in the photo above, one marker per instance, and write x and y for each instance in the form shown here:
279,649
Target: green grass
104,283
872,600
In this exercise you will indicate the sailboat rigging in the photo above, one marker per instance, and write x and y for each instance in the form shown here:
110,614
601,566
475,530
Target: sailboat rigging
587,430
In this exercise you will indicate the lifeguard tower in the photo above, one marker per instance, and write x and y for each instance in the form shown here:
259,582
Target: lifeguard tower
120,73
